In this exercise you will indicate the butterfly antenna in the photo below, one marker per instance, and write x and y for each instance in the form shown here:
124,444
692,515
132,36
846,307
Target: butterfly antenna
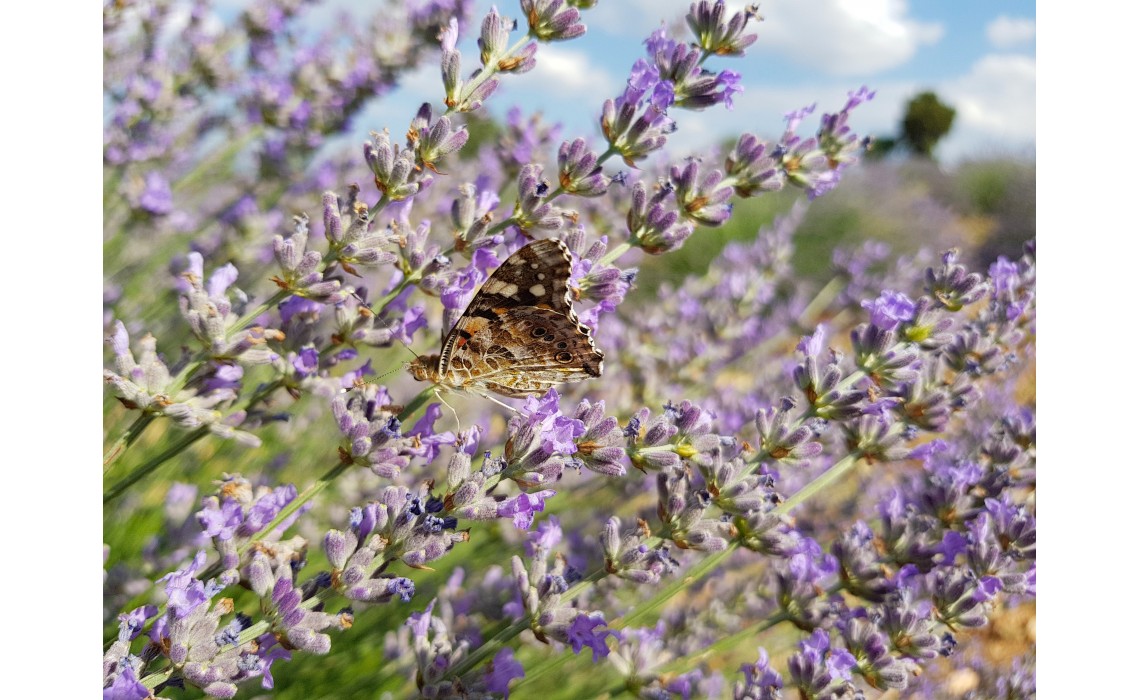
368,309
361,381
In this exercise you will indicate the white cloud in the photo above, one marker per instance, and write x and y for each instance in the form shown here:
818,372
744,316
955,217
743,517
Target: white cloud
563,73
395,109
1007,32
635,18
844,37
996,103
838,37
994,98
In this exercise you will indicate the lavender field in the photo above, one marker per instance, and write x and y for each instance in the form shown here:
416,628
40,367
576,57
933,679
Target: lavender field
805,468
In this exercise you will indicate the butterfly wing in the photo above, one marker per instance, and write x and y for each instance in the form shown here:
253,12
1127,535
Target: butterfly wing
536,275
526,351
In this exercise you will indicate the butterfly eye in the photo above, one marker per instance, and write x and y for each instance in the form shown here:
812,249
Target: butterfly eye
538,332
563,357
562,345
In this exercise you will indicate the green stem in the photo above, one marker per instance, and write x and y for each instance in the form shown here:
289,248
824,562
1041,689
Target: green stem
833,473
125,440
694,574
486,72
293,506
489,648
379,206
410,278
726,644
154,463
152,680
415,404
172,451
382,304
816,306
208,166
111,182
614,253
279,296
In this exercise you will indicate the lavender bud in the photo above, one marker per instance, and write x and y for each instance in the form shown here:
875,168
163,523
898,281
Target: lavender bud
450,68
531,211
656,228
578,170
493,37
752,167
394,169
635,139
714,35
260,574
552,20
434,141
952,286
954,598
458,469
480,94
338,547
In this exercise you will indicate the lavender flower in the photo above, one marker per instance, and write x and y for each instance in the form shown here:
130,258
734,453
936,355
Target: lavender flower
578,170
393,168
552,20
540,442
354,244
532,210
851,462
656,227
504,669
714,35
704,202
434,141
760,681
493,46
146,384
753,167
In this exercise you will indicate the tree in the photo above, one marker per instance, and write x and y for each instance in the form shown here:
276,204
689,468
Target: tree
926,121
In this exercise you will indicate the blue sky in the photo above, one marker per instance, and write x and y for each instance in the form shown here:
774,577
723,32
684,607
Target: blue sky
978,56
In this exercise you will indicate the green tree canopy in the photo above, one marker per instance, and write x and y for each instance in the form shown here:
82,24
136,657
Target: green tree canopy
926,121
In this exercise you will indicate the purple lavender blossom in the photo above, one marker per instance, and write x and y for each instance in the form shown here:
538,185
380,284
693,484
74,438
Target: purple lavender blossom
582,634
126,687
184,592
522,508
156,198
890,309
873,486
504,669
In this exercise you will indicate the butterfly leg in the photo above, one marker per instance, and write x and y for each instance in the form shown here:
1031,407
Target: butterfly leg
439,395
492,398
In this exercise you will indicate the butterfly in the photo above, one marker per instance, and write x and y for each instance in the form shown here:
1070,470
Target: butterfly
519,335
